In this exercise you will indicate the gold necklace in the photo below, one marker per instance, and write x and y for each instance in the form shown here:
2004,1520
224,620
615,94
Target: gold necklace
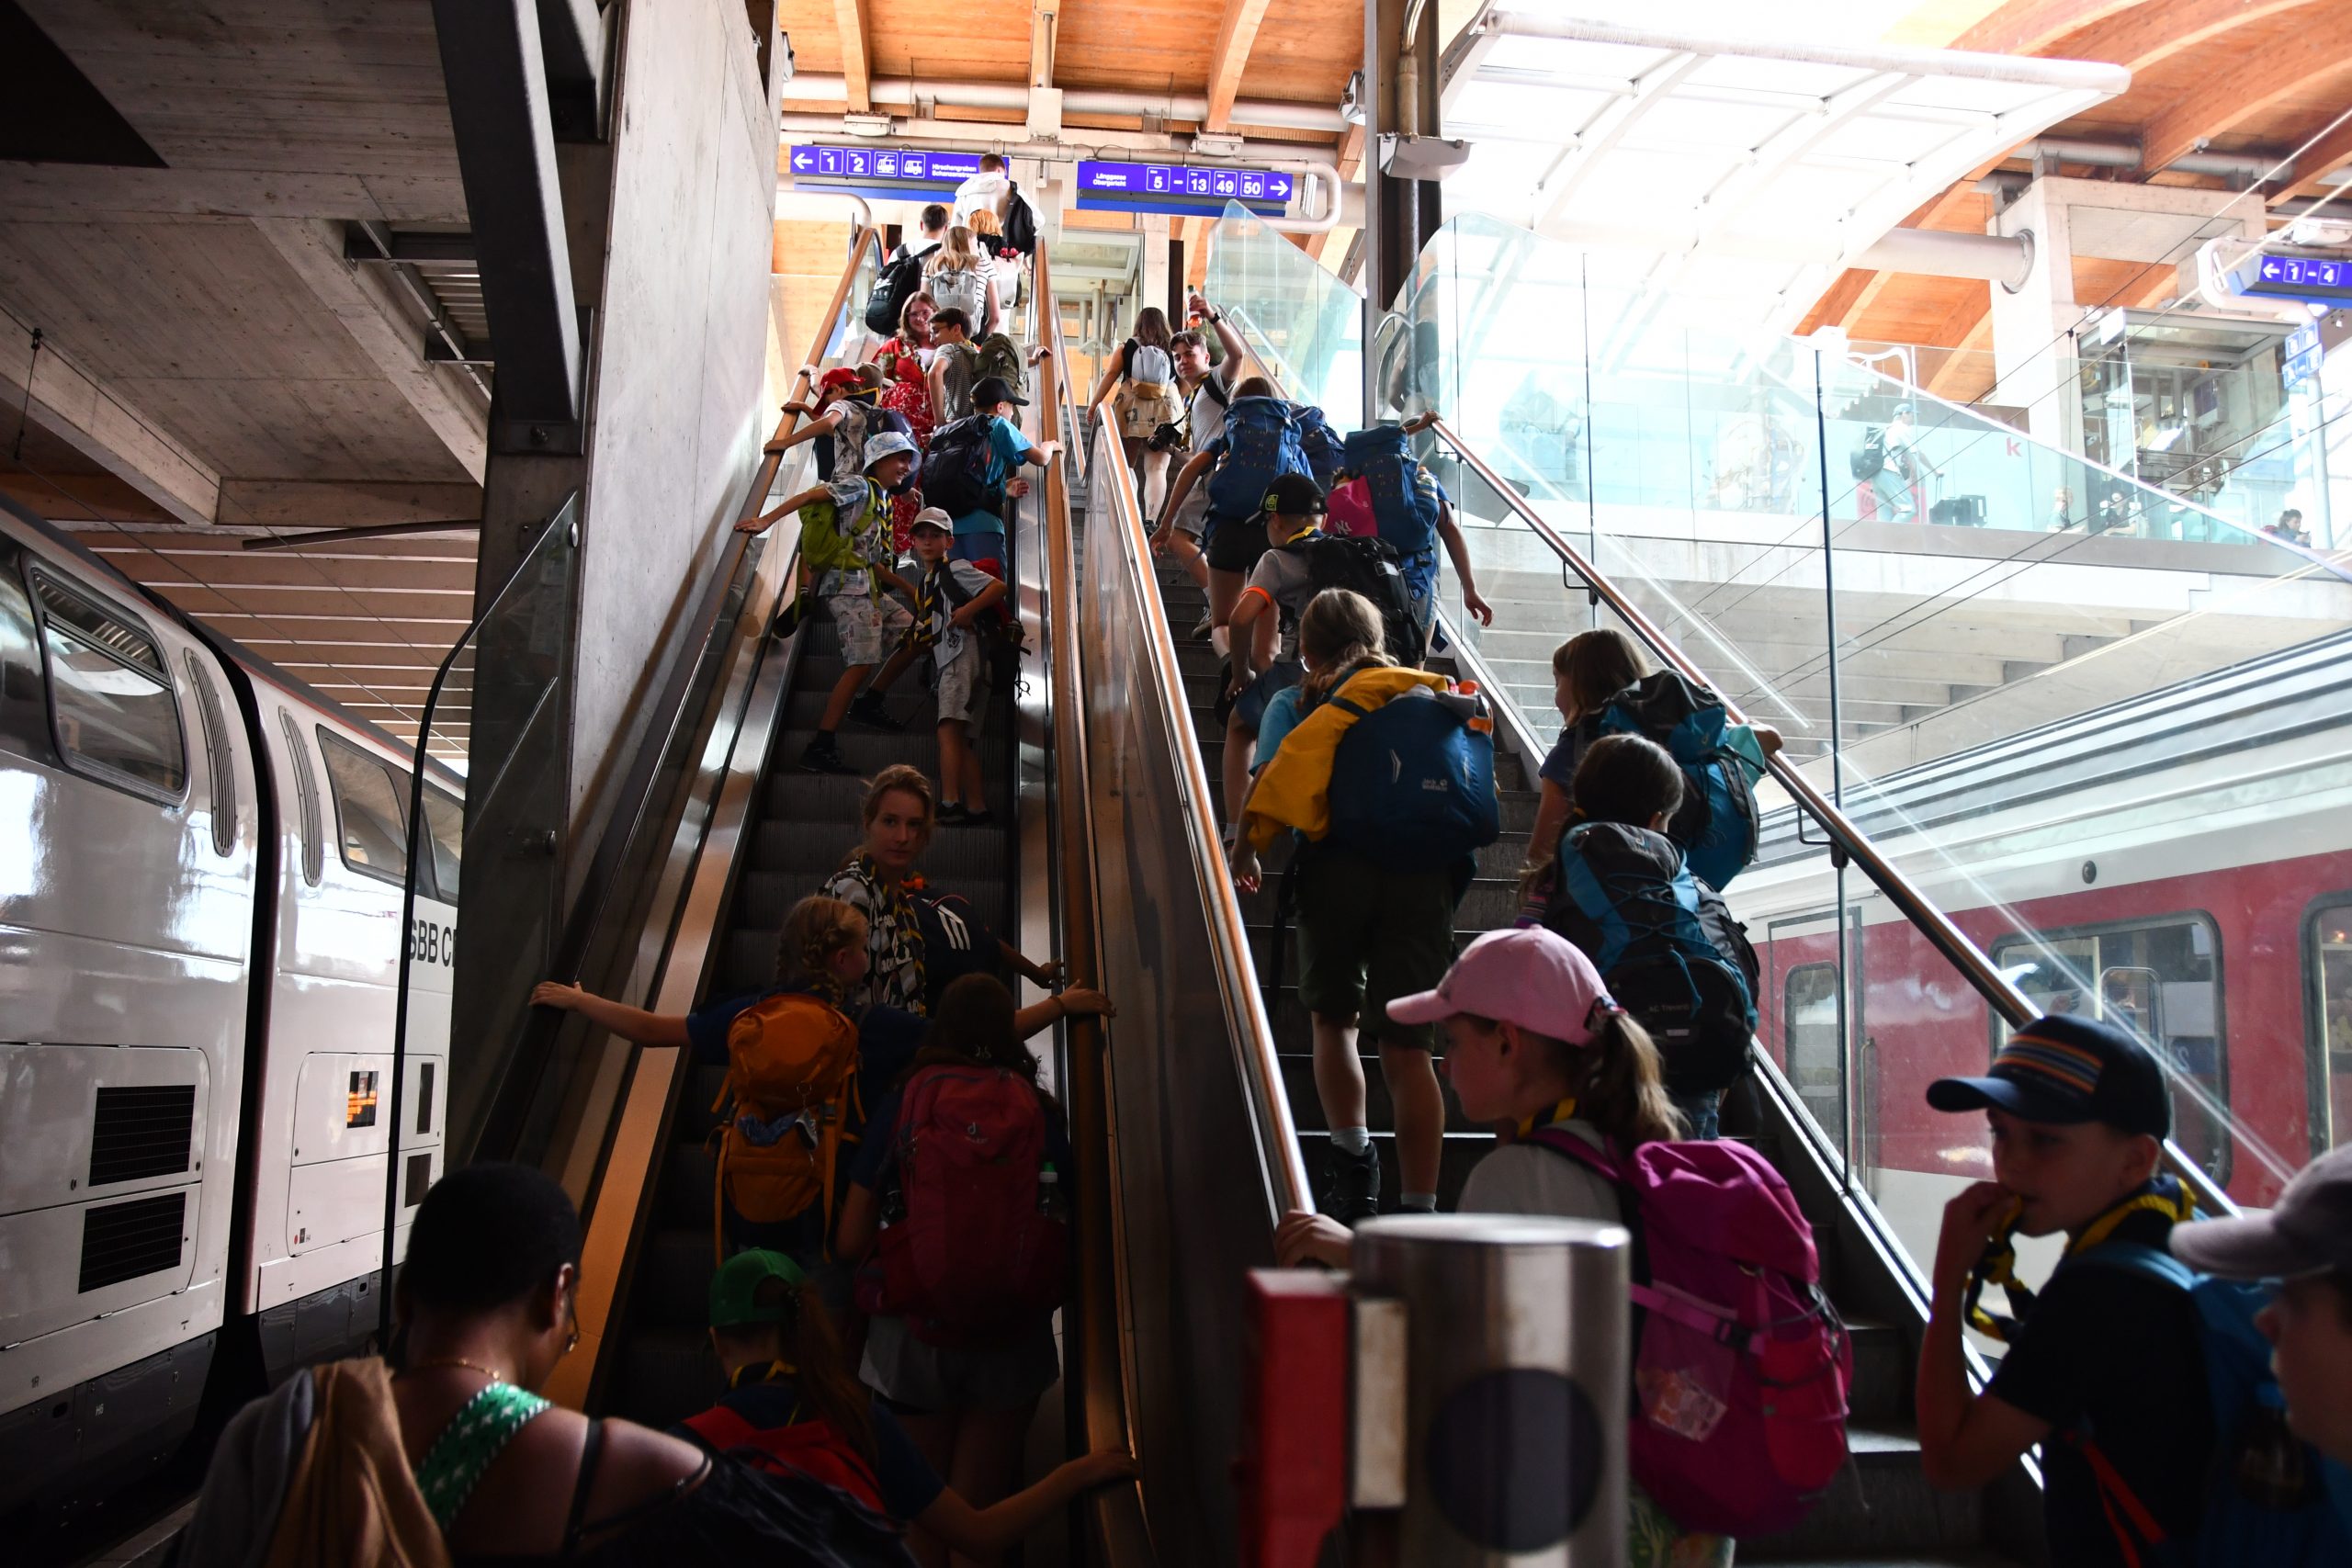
454,1361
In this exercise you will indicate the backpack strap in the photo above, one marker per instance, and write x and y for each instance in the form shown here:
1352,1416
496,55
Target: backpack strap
590,1451
2138,1257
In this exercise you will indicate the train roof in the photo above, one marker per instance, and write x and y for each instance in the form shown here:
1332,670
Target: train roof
88,560
2261,701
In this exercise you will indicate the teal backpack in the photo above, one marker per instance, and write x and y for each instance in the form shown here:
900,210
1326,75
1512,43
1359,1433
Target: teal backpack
2272,1500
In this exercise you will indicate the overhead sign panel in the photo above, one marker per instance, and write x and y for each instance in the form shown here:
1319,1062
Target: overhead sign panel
903,173
2295,277
1182,189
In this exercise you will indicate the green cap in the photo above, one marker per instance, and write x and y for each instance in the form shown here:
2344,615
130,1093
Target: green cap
735,1289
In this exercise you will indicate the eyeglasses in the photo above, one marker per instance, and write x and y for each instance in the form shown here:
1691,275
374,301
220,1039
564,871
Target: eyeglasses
572,1340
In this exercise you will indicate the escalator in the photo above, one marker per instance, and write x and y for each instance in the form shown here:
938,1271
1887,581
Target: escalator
1194,1118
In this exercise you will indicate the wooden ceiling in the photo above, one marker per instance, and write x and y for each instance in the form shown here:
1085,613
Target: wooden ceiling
2215,75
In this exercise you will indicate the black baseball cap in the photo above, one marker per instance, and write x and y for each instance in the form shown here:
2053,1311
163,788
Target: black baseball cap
2067,1069
2308,1230
1296,495
990,390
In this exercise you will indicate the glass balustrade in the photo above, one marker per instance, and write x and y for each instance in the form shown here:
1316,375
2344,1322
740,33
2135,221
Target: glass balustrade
2095,721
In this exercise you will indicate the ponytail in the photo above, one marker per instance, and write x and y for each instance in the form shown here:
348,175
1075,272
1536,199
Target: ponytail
1619,1086
1342,632
802,1343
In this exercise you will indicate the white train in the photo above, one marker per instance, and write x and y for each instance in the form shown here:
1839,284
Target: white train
201,866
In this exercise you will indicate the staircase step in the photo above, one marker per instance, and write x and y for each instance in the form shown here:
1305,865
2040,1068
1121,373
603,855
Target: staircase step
1880,1507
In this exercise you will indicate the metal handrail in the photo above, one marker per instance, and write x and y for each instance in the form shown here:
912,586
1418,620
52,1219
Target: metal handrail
1104,1384
1847,841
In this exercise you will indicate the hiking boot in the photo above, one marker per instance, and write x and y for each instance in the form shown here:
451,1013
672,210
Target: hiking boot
1352,1194
823,755
869,710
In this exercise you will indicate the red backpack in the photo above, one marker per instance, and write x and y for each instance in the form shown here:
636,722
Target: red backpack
977,1253
812,1448
1740,1366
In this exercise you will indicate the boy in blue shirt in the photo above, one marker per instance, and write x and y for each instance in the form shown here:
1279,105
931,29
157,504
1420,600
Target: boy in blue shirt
979,536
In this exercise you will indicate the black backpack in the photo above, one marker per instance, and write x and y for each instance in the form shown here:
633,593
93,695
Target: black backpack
1665,944
1870,458
1367,567
1020,223
900,281
958,471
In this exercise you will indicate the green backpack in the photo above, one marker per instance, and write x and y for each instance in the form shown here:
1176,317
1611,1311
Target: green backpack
824,546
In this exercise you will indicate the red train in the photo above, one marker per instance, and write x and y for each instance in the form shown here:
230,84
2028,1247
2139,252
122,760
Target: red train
2180,863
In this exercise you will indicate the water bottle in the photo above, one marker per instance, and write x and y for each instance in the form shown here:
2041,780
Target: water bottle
1049,1192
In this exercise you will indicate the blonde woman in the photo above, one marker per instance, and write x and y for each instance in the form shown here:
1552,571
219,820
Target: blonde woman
958,276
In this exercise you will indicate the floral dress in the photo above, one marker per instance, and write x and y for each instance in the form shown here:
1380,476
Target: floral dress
906,391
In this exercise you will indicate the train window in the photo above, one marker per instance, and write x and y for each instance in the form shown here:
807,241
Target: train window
444,829
110,703
1817,1064
223,769
2160,978
370,816
306,791
2327,971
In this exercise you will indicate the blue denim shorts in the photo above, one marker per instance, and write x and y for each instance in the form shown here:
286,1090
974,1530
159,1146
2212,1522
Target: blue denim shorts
1250,707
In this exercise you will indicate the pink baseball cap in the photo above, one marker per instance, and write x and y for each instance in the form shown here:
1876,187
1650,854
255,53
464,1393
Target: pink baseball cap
1527,975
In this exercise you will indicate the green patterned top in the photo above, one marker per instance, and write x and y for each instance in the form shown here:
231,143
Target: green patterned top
467,1446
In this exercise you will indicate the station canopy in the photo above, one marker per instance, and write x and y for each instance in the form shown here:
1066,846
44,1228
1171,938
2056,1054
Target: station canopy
1722,182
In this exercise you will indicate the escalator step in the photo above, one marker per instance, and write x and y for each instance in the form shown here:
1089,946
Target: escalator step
672,1285
688,1174
695,1117
805,853
869,751
1462,1151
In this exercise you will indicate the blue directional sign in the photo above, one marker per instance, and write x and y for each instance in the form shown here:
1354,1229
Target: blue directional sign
889,173
1182,189
2295,277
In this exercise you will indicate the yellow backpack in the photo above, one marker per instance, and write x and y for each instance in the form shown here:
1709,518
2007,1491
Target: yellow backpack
791,1088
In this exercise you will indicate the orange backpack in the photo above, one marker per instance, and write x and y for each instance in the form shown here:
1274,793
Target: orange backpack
791,1088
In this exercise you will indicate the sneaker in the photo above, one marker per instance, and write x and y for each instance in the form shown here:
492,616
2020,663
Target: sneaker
971,818
951,814
869,710
823,755
1352,1194
1203,628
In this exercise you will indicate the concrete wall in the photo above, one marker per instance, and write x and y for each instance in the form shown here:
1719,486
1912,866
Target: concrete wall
683,353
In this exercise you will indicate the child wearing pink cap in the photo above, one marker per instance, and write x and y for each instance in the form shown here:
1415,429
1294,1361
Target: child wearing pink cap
1533,1040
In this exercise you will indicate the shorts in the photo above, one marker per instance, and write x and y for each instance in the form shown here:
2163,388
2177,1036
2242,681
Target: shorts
871,625
964,685
1235,546
978,548
1193,518
918,1379
1250,707
1368,935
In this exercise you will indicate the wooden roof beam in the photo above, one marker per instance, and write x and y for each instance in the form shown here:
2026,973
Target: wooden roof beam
2243,88
2332,151
2147,36
1237,35
2031,27
857,64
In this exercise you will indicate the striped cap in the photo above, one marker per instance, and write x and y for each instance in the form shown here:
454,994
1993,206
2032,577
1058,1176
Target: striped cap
2065,1069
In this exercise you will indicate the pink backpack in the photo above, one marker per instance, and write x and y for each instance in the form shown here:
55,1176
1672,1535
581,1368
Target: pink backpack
1347,511
1741,1367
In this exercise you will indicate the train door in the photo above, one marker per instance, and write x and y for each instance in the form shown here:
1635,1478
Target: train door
326,1144
2160,978
1798,1019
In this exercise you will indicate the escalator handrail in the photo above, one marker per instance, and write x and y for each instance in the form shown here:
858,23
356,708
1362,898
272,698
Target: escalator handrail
2003,995
1106,1399
600,887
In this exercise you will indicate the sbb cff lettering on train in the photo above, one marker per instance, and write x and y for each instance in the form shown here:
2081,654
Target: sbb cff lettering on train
432,943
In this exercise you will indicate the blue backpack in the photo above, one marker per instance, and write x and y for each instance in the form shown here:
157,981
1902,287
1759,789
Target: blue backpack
1716,824
1404,497
1320,443
1413,779
2303,1530
1665,942
1263,442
